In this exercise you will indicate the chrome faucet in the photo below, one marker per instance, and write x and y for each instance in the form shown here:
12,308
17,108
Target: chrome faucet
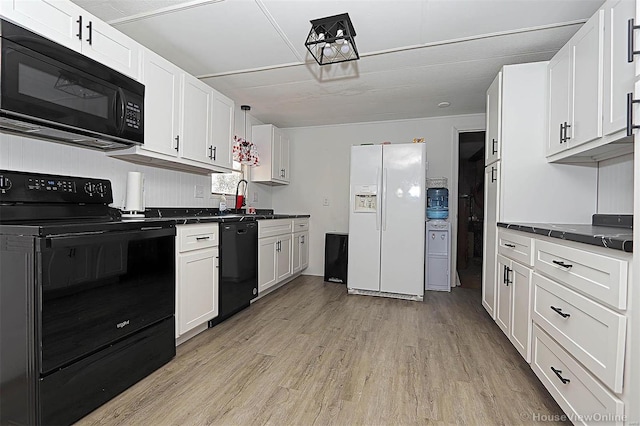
237,191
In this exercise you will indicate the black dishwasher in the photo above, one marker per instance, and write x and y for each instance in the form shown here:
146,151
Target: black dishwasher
238,280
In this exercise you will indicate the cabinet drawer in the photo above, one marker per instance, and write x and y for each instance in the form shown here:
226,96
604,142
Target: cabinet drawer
601,277
273,227
301,224
516,247
593,334
197,236
582,396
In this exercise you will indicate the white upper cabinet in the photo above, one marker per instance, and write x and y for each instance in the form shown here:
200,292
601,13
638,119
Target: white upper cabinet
589,79
273,149
71,26
493,140
196,120
575,88
586,94
559,74
188,125
618,71
162,104
57,20
222,133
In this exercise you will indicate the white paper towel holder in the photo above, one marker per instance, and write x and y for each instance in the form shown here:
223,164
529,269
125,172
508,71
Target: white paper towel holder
134,199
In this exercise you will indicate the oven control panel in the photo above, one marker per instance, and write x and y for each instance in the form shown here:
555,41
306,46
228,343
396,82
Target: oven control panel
24,187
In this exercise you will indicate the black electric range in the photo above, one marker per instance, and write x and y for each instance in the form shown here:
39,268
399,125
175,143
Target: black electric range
87,300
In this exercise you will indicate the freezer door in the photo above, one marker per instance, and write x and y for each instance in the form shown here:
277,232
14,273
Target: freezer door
403,214
363,270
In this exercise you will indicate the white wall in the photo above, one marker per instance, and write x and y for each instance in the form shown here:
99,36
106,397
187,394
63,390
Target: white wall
320,169
163,188
615,185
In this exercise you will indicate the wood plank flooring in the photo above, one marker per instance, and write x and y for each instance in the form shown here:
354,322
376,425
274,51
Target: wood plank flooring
311,354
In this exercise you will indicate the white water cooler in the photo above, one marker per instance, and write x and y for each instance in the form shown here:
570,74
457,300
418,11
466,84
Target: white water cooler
437,275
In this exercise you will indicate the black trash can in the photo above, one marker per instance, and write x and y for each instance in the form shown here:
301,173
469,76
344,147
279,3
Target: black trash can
336,249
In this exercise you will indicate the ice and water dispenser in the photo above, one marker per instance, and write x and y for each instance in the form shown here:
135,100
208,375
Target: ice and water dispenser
438,239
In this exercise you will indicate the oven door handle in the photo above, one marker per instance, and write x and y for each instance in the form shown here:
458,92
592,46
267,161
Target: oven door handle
96,238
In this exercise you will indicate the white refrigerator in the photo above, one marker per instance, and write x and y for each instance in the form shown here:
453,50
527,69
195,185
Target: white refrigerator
387,220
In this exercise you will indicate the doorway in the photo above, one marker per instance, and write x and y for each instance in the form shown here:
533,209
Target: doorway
470,208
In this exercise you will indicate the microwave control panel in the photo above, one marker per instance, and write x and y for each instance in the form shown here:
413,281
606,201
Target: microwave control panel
133,115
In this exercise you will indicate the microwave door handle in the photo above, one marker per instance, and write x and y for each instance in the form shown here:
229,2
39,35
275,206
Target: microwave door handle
119,108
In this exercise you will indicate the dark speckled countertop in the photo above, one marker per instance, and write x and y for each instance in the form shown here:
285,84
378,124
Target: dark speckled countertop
186,216
597,235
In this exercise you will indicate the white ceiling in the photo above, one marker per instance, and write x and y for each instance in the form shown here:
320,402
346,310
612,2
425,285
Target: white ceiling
414,53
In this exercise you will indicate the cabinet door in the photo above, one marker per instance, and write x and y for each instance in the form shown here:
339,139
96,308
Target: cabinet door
276,149
267,257
223,112
586,67
521,310
198,288
284,157
195,125
300,256
491,192
494,103
304,251
54,19
284,253
295,257
558,112
161,104
109,46
504,283
618,73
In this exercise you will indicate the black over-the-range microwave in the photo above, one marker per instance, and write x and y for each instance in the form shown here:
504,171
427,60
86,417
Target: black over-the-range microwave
49,91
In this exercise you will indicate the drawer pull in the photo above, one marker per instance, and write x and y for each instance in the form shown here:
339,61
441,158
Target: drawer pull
560,263
559,374
559,312
510,245
203,238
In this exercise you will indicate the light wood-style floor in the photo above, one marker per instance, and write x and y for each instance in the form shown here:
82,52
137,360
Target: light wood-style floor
311,354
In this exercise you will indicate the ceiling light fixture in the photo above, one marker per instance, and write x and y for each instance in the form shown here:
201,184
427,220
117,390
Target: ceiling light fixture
331,40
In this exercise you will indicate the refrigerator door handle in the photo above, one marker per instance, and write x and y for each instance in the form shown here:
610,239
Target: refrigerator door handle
378,206
384,199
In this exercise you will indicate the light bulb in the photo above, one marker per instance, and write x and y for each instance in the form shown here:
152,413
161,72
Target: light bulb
328,51
321,36
345,48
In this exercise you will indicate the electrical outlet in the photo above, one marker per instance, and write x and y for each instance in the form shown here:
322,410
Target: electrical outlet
199,191
325,201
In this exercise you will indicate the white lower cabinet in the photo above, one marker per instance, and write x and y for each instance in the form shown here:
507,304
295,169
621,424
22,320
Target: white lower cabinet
198,288
514,292
567,310
300,245
274,252
283,250
196,277
578,393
